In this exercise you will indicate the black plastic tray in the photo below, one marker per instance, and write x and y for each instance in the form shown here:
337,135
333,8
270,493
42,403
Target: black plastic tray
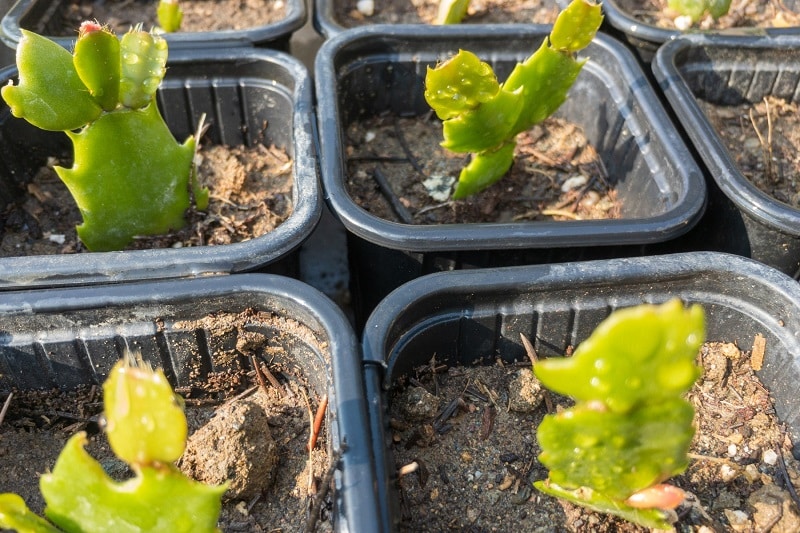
249,96
476,316
730,71
67,337
381,69
42,16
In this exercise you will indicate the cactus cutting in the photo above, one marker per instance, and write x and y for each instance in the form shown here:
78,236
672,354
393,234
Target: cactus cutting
147,429
483,117
630,428
697,9
129,176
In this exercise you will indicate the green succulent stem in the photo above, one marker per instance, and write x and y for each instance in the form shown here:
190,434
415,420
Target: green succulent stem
630,427
483,117
147,429
697,9
451,11
129,176
170,15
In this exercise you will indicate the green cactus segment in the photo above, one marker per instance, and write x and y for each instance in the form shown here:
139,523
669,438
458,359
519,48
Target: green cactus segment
138,185
145,423
697,9
96,60
144,60
170,15
80,496
130,176
576,26
16,516
484,169
459,84
452,11
616,454
630,427
479,115
485,128
50,94
637,355
652,518
545,79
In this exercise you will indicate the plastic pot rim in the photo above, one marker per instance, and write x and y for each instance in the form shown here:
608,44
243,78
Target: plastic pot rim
606,272
292,298
296,17
629,25
97,267
712,149
485,236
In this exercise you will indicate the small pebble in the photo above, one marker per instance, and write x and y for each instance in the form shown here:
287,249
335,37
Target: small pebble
727,473
683,23
366,7
770,457
732,450
573,183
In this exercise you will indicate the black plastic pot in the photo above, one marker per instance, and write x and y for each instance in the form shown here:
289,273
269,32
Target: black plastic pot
474,317
725,70
62,338
241,91
42,16
381,69
646,38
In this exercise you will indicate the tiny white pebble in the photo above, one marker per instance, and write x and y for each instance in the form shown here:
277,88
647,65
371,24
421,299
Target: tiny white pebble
573,183
727,473
369,136
770,457
57,238
732,450
178,245
366,7
683,22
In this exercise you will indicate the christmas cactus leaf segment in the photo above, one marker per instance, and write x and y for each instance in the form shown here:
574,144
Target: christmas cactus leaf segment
147,429
483,117
630,427
129,176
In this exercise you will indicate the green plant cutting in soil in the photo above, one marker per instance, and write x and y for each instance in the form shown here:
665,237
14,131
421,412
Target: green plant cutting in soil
630,427
129,176
697,9
146,428
452,11
483,117
169,15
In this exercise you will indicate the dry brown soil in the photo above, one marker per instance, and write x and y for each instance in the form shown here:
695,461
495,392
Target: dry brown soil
253,435
742,14
764,141
251,194
398,171
417,11
471,434
198,15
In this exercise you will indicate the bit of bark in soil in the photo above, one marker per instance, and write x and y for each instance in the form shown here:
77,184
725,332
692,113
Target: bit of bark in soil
763,138
251,194
38,423
556,175
484,484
